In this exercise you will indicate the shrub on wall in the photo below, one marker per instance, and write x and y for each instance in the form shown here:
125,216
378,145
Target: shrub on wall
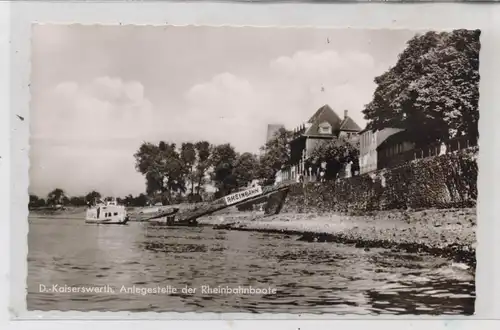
448,180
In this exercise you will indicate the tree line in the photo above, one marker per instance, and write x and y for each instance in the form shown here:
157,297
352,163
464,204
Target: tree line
180,173
433,89
173,172
58,197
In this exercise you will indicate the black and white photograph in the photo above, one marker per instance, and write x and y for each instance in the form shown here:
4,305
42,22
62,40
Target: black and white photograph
259,170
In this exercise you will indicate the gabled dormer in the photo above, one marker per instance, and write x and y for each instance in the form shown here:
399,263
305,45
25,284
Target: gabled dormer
325,128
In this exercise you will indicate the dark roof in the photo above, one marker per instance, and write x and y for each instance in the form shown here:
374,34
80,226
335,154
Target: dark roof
349,125
394,139
326,114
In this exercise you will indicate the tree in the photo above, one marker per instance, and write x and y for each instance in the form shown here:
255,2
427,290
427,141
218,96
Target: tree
77,201
35,201
56,197
276,155
128,200
203,151
223,159
188,157
163,168
141,200
92,197
433,90
335,153
246,169
131,201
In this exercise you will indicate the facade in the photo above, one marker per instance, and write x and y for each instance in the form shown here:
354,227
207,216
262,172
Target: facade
323,126
369,141
395,150
391,147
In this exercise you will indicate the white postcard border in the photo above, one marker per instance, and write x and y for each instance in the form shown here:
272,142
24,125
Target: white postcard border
14,163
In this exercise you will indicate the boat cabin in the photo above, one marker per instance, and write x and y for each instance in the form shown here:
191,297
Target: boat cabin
109,212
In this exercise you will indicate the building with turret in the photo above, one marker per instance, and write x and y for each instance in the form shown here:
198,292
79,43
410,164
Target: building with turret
323,125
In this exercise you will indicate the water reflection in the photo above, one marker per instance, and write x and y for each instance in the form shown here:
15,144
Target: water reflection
308,277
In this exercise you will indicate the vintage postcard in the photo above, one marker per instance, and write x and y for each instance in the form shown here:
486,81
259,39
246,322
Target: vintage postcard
311,171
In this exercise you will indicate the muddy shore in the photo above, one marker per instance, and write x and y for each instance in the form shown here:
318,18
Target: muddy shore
442,232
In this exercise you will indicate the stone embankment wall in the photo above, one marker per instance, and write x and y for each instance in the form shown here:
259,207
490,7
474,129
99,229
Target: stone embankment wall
444,181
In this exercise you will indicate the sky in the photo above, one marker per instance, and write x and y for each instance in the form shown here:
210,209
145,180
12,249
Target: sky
98,92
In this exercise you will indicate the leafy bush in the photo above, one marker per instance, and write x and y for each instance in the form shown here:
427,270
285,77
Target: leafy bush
448,180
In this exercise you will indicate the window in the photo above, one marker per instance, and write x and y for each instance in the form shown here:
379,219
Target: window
325,128
116,213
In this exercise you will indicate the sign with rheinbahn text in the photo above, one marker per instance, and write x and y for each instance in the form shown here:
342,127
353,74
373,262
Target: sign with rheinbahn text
242,195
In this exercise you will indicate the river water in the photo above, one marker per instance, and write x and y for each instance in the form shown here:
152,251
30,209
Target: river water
137,267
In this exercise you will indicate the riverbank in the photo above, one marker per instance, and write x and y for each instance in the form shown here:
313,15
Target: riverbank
442,232
70,212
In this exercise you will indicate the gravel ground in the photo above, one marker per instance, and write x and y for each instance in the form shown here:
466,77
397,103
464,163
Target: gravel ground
443,232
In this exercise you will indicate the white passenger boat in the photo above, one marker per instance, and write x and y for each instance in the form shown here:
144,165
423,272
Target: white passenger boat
108,213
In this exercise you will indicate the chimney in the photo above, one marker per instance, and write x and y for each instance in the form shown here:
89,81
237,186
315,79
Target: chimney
345,114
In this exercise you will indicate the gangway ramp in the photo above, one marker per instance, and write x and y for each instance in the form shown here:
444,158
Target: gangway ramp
189,217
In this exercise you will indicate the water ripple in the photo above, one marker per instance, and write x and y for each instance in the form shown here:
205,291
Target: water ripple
308,277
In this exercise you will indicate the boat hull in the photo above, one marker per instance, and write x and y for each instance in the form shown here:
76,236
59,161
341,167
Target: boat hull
171,220
172,223
107,215
107,221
